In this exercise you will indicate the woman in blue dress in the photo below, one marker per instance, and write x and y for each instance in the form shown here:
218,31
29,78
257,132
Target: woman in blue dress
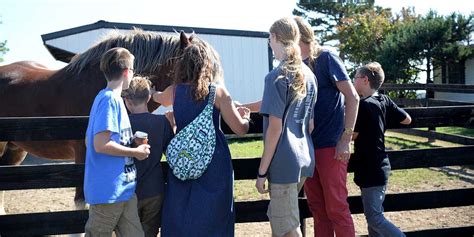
203,206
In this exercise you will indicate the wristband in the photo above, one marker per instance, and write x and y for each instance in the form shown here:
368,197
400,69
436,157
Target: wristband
262,175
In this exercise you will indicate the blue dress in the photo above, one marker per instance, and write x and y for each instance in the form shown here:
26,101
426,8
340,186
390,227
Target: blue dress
202,207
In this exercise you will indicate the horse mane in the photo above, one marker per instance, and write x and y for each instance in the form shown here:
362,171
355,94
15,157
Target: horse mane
151,50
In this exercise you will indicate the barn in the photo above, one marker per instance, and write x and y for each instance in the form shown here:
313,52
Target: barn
246,55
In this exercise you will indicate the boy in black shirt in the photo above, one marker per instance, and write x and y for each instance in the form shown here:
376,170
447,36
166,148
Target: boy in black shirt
150,180
371,164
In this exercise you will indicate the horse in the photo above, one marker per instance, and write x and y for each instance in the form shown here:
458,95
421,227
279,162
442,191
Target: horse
29,89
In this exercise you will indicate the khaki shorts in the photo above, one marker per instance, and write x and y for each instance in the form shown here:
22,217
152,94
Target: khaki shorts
283,211
121,217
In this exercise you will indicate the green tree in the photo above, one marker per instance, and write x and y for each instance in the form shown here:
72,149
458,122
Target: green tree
328,16
429,40
362,34
3,48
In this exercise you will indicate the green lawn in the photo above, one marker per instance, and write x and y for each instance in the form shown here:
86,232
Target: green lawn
400,180
456,131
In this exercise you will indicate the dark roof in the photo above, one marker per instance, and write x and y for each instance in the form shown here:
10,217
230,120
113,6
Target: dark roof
65,56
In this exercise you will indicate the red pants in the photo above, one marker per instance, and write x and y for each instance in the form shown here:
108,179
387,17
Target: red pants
327,196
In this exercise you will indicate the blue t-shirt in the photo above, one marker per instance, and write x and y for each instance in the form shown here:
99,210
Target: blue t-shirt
329,108
107,178
294,155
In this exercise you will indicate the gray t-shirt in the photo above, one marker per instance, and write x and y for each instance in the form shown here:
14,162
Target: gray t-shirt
294,155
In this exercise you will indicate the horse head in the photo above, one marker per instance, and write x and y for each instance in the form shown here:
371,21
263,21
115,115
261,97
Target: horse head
155,55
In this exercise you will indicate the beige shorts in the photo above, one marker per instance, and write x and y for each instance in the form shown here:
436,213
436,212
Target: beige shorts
121,217
283,211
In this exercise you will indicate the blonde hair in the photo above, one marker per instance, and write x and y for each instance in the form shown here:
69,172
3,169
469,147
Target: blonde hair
374,73
307,37
199,66
138,91
286,32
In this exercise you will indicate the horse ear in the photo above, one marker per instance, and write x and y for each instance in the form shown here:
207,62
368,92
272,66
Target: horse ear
183,40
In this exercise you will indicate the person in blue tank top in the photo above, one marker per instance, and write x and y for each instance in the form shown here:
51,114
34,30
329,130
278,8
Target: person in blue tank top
335,114
110,174
201,207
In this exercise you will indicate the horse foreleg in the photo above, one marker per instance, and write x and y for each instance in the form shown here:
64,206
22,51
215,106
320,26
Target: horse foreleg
79,156
10,154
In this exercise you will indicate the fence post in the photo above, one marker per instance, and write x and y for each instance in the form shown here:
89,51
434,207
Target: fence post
302,219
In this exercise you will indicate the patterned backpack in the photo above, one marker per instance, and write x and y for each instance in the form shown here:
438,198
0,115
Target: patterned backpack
190,151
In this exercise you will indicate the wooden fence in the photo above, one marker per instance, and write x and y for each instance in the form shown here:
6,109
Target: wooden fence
71,175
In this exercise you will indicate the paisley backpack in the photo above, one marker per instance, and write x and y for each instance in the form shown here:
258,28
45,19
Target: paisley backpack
190,152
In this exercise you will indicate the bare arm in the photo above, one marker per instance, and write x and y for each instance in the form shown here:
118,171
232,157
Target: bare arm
103,144
351,107
166,97
407,120
311,126
254,106
238,124
271,140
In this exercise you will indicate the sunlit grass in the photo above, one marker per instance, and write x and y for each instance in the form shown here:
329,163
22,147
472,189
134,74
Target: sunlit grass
400,180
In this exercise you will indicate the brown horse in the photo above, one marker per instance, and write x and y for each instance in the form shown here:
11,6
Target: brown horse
28,89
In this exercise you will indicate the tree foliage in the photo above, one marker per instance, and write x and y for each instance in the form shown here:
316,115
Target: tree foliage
405,43
3,48
328,16
427,41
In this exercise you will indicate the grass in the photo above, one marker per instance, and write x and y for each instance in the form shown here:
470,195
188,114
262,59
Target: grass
246,148
457,131
400,180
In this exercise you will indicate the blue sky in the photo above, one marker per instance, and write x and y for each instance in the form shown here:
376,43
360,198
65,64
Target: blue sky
24,21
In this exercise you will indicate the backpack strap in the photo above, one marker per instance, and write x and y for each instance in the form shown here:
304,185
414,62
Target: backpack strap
212,94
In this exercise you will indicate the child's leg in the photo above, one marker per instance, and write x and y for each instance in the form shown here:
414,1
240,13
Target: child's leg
103,219
149,210
283,210
372,199
129,222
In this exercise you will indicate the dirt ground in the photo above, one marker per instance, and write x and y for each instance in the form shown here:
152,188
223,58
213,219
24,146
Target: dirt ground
50,200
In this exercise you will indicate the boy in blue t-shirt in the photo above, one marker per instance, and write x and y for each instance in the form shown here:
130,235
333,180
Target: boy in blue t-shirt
370,162
150,181
109,179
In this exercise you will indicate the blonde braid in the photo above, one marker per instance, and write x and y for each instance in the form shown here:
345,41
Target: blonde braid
286,32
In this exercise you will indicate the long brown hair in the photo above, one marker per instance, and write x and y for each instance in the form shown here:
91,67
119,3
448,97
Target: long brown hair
198,66
307,37
286,32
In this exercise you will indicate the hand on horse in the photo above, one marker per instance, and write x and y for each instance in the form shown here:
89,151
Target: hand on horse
142,151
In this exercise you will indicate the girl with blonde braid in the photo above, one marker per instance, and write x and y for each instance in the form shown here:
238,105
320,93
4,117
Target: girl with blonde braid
287,109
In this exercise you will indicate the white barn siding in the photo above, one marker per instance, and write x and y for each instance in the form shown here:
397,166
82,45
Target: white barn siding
464,97
78,43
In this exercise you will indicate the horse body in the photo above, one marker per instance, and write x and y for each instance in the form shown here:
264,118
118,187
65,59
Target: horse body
28,89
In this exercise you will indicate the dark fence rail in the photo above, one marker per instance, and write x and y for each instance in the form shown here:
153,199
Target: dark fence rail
456,88
71,175
403,102
62,128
